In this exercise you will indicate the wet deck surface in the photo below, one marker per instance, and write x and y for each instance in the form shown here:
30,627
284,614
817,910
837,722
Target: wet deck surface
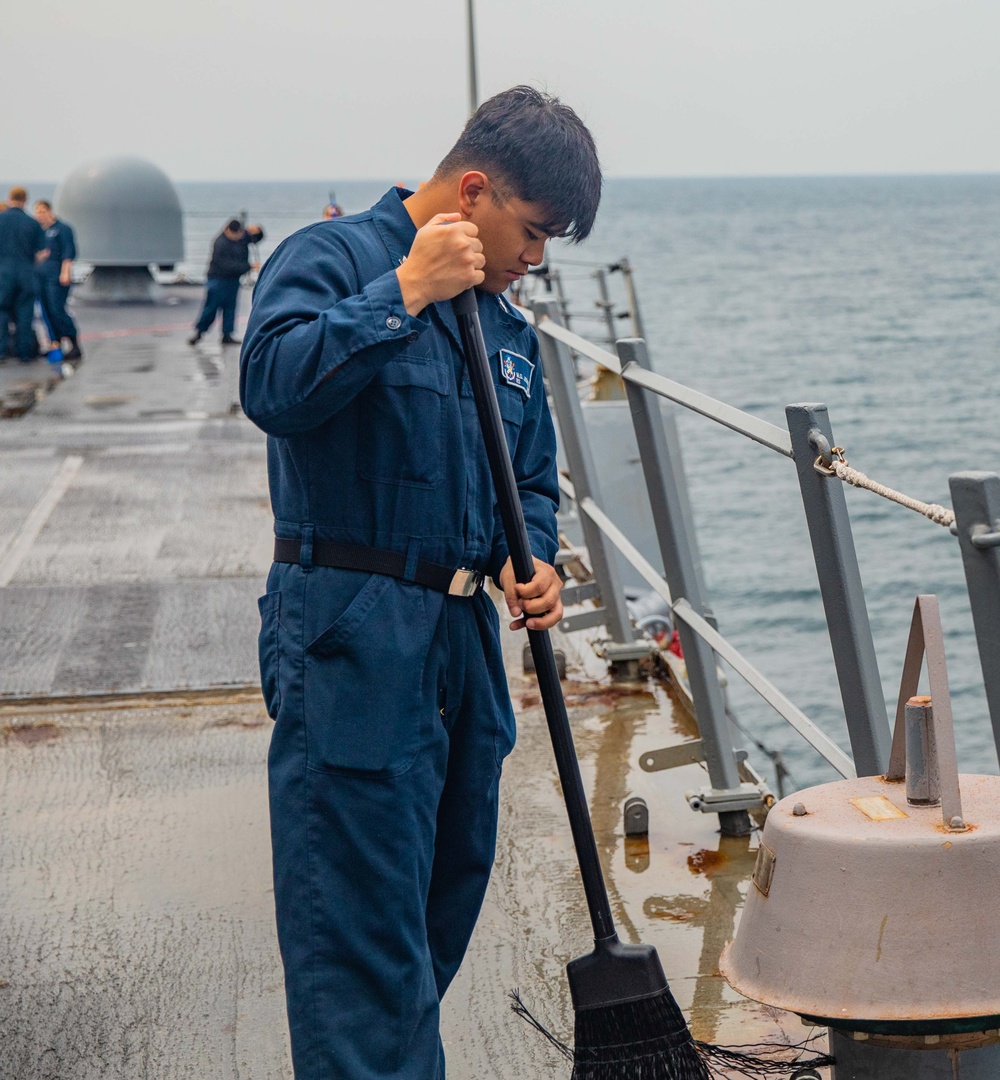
134,518
138,937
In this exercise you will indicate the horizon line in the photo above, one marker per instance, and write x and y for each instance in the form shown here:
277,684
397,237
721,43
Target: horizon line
609,177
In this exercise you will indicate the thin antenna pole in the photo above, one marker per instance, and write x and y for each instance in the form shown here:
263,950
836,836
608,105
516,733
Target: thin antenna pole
473,78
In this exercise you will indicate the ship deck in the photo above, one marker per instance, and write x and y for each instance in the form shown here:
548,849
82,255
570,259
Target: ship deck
138,937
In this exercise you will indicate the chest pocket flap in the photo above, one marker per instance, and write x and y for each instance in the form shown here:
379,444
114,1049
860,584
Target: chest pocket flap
428,374
401,438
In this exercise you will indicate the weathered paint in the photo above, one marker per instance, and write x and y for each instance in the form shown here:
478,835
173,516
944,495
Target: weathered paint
874,915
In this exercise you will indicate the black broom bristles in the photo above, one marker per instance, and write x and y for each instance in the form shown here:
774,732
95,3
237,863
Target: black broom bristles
646,1039
635,1040
649,1040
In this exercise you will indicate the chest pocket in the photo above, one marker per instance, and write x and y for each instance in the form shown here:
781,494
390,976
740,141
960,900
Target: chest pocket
401,429
511,404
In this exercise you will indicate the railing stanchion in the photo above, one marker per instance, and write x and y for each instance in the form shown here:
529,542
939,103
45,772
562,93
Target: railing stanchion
841,589
680,565
638,330
605,304
976,499
624,651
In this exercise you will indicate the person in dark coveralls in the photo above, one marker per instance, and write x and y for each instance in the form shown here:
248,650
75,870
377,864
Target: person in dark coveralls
380,654
22,245
55,276
230,261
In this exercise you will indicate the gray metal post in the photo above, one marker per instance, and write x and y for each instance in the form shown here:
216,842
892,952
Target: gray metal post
638,330
923,778
668,415
605,304
556,277
470,16
976,499
559,372
840,586
680,561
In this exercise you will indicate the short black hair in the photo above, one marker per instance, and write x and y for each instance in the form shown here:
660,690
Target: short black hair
535,148
234,225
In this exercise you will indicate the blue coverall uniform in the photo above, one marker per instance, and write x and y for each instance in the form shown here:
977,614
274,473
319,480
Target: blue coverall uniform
21,238
230,261
62,245
390,699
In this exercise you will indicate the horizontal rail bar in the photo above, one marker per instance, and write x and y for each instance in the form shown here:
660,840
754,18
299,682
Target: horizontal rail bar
632,554
794,716
752,427
813,735
767,434
580,345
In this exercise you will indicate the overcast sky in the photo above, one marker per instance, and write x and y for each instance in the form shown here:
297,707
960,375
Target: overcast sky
290,89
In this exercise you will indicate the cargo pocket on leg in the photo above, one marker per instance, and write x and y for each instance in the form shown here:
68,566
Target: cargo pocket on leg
269,652
364,683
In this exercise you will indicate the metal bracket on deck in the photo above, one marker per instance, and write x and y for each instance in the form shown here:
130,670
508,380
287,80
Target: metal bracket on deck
752,793
584,620
620,652
671,757
726,800
576,594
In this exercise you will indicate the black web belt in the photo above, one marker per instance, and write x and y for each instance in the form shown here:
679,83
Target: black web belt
455,582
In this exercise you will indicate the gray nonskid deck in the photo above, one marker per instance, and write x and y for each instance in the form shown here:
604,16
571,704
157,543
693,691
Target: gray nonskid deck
138,939
144,571
138,934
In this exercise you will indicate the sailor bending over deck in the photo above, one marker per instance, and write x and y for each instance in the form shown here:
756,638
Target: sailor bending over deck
380,653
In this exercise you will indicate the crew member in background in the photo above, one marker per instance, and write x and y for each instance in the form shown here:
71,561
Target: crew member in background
22,246
230,261
380,652
55,276
333,209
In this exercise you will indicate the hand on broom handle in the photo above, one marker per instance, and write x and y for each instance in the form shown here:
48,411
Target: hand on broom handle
466,310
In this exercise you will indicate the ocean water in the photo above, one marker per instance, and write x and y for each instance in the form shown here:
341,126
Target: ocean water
877,296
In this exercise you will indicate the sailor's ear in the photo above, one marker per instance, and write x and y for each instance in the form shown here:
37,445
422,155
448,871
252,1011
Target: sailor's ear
472,187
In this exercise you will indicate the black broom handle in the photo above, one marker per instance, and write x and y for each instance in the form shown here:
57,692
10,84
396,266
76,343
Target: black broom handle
466,310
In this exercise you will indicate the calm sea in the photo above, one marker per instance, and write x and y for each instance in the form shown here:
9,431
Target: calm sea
877,296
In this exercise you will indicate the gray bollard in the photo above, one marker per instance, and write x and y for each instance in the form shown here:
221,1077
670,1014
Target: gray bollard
923,779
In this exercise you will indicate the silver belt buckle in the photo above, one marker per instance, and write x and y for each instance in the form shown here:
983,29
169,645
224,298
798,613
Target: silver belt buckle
465,582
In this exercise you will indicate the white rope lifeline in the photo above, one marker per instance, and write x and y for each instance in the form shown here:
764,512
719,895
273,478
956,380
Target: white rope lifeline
941,514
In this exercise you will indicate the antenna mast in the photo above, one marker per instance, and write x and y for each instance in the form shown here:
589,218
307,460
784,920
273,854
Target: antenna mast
473,78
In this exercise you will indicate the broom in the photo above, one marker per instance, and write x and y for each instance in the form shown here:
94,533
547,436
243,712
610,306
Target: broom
628,1025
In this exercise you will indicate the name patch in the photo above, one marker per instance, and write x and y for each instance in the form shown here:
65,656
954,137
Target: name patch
516,370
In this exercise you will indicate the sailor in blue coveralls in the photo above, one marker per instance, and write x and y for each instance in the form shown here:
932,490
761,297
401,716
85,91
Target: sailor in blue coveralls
380,654
55,277
22,246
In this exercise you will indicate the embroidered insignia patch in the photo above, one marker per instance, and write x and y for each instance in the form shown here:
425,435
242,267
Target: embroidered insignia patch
516,370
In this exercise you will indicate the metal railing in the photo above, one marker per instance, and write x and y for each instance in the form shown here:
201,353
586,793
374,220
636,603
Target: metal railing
808,438
975,497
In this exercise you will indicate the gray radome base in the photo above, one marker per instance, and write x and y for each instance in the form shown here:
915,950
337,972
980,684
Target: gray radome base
119,285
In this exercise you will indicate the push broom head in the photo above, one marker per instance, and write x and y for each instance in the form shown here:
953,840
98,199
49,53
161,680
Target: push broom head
628,1026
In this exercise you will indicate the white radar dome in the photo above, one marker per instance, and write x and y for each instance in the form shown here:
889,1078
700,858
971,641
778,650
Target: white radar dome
125,212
